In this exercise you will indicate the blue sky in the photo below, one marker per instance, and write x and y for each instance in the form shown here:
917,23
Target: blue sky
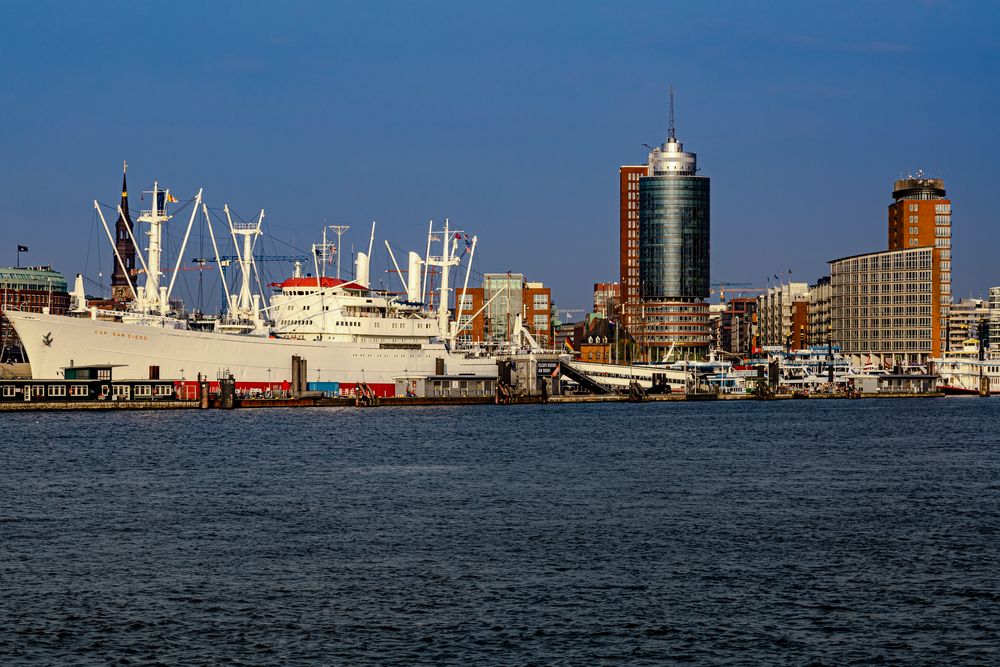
509,118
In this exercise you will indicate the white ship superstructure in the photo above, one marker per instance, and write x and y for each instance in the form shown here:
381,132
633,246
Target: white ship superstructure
968,371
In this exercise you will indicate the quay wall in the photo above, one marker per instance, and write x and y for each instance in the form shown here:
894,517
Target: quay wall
29,406
24,406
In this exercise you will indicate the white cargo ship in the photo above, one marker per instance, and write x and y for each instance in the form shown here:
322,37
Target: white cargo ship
346,332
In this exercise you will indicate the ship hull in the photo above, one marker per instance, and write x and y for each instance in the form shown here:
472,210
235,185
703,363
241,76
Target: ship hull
957,391
54,342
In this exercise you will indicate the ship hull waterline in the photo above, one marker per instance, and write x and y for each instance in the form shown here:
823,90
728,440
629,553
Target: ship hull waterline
53,342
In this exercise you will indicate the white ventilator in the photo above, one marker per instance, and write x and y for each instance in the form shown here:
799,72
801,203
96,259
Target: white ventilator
78,298
413,278
361,269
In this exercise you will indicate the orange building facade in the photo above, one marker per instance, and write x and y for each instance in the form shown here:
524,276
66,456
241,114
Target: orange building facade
607,297
800,325
920,217
629,285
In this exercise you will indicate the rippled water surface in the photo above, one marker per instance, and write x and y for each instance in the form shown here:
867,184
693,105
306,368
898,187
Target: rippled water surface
828,532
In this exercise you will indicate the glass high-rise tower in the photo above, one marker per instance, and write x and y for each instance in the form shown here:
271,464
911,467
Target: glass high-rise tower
674,205
673,226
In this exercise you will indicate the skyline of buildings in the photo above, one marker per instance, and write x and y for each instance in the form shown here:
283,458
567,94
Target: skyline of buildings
893,304
888,307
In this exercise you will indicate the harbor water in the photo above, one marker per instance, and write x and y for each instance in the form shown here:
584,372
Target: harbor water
823,532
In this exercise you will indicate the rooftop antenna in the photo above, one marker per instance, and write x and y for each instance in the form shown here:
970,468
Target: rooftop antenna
339,230
670,131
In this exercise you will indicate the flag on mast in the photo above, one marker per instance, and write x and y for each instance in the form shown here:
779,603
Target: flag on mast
22,248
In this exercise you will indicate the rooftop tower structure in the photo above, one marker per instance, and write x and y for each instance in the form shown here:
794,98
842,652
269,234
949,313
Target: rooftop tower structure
920,216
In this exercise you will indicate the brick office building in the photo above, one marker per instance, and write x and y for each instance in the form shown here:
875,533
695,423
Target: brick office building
35,289
505,296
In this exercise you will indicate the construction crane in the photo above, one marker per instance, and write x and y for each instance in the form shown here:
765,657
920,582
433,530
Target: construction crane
730,283
721,286
569,312
256,258
227,260
200,262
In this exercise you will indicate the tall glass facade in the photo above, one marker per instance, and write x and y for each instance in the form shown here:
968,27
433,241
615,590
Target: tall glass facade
674,237
503,311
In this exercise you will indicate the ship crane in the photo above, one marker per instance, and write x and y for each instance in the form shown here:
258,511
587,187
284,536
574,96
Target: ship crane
721,286
257,258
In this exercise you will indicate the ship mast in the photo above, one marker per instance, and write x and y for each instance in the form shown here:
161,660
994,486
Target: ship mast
459,301
150,297
446,260
246,303
339,230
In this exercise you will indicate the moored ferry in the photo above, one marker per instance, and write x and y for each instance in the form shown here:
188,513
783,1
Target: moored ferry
969,370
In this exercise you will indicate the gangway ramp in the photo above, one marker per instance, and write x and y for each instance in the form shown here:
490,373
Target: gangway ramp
567,369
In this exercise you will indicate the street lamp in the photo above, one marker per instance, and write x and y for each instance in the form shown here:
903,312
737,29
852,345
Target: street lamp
617,323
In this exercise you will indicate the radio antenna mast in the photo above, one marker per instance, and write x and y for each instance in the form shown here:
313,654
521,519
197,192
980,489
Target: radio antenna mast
671,134
339,229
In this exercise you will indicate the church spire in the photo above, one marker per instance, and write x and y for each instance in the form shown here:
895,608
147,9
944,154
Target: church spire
124,188
120,290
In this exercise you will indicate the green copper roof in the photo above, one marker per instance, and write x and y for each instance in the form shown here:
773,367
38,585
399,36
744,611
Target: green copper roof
36,278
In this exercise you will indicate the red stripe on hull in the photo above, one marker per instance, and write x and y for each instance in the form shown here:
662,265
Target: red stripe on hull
190,387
